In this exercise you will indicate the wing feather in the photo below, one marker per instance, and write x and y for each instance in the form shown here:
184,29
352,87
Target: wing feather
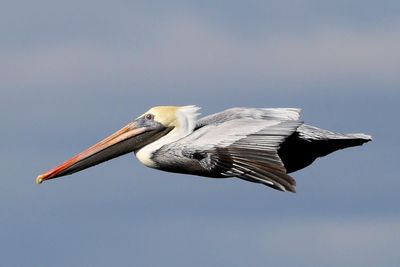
250,113
252,156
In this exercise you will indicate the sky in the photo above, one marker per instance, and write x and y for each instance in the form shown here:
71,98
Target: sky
72,72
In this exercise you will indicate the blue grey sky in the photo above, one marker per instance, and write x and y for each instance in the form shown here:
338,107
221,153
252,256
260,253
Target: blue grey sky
73,72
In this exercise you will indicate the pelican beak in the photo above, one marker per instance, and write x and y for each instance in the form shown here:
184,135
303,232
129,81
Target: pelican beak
128,139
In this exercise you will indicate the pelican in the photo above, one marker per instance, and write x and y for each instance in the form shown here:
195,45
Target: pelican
260,145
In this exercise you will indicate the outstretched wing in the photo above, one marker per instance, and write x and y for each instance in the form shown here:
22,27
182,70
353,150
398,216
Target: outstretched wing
245,148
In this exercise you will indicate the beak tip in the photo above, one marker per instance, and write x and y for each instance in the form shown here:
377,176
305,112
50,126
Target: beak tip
39,179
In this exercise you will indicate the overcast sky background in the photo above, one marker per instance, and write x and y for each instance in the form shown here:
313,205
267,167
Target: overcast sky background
72,72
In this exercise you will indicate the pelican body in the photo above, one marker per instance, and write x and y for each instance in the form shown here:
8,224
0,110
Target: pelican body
261,145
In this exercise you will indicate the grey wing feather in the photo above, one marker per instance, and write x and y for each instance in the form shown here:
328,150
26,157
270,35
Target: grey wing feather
250,113
308,132
244,148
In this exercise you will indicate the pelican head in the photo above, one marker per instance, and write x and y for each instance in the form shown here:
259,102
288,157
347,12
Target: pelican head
147,128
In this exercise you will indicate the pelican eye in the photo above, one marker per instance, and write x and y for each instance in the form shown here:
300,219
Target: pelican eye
149,117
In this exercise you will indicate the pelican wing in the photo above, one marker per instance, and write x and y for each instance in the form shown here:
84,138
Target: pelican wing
245,148
250,113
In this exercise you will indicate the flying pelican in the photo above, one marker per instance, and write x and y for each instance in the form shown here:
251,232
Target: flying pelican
260,145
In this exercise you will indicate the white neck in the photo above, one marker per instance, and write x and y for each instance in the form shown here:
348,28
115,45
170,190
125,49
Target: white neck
186,117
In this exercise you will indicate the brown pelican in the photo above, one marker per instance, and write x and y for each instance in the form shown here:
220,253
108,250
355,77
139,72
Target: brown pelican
260,145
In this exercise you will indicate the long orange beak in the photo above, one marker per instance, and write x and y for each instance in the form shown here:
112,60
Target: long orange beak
121,142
